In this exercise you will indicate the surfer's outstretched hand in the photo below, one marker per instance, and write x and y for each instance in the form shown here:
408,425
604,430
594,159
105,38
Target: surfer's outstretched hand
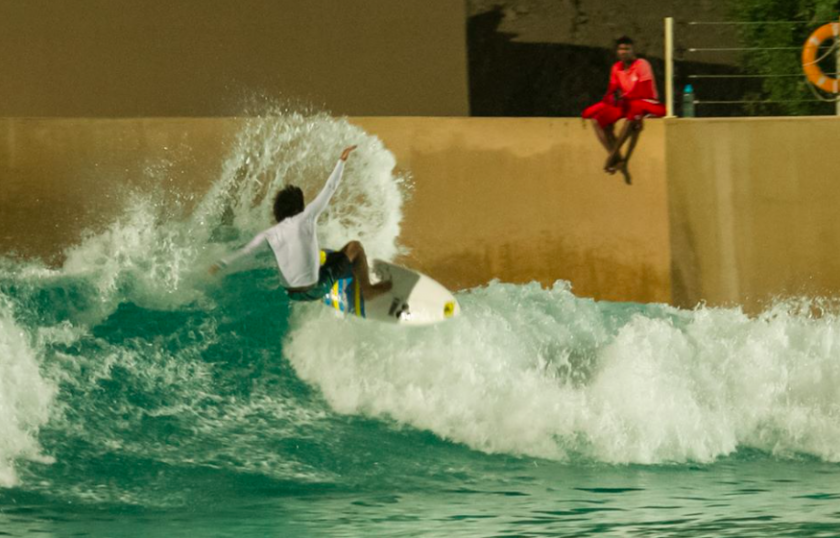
346,152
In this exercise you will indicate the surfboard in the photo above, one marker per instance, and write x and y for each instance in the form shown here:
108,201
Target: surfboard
414,299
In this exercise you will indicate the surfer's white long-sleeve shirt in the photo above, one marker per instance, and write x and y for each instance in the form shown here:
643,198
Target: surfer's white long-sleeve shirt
293,240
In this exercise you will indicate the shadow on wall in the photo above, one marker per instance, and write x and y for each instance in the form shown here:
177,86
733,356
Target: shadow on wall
508,78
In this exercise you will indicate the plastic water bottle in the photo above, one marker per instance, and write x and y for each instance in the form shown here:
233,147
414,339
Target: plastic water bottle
688,102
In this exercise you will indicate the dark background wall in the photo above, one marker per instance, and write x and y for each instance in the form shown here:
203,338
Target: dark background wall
513,76
595,23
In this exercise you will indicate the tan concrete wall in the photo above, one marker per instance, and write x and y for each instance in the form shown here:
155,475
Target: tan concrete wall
61,176
141,58
754,209
513,199
525,199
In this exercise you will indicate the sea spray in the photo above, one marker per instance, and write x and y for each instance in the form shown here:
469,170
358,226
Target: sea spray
25,397
144,356
295,149
156,255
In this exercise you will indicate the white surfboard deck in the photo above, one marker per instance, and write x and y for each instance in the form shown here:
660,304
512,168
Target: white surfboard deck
414,299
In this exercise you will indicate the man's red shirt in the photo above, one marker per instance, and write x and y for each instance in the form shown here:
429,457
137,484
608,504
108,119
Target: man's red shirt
634,82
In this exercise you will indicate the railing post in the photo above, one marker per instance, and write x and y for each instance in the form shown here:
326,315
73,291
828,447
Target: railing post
669,67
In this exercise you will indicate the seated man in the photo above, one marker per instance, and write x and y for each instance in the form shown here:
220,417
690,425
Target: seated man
296,249
631,95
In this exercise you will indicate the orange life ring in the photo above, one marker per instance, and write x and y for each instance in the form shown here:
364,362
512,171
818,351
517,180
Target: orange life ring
809,58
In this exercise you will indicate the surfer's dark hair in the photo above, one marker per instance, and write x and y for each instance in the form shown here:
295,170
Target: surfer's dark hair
288,202
623,40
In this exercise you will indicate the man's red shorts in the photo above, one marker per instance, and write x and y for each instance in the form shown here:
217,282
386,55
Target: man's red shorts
633,109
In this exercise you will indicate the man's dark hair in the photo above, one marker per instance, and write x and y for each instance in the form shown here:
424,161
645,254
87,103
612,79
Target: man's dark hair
623,40
288,202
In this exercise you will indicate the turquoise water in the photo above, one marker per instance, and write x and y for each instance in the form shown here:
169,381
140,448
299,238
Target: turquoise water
141,397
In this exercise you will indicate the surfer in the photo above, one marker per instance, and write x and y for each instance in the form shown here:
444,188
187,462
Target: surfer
295,246
631,95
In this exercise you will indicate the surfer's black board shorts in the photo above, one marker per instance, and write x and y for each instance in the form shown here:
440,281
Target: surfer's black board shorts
336,267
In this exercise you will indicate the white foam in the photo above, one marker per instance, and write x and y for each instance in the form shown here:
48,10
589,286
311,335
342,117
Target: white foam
297,149
542,373
25,397
157,256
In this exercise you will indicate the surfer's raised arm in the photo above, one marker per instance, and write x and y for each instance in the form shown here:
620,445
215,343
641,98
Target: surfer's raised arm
319,204
295,245
238,255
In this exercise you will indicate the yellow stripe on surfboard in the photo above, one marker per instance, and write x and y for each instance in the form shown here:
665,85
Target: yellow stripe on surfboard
335,301
358,297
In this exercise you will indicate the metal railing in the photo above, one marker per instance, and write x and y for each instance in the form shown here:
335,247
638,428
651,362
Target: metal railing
670,61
